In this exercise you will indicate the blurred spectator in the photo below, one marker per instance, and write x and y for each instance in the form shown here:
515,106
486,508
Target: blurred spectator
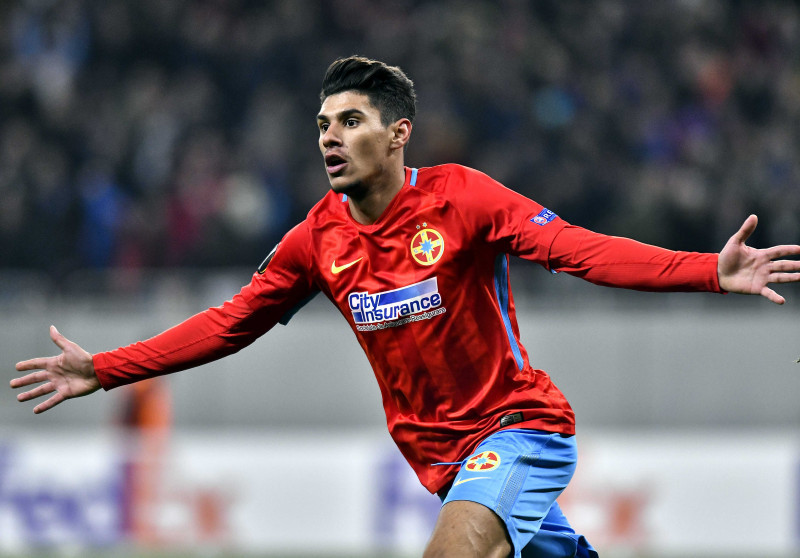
142,133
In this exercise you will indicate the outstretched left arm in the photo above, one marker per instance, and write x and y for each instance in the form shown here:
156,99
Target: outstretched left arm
745,270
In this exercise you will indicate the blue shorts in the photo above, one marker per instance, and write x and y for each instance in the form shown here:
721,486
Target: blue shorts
519,474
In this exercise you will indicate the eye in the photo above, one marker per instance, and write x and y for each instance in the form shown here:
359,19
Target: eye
351,122
323,127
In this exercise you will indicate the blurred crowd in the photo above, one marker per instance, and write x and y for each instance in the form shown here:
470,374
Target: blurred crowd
138,134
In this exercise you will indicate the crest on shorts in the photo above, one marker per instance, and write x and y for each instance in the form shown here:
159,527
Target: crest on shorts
482,462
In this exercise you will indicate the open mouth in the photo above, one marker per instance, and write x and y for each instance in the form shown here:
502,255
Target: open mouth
334,163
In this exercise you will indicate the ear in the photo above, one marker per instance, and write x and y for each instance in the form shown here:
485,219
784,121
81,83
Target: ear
401,133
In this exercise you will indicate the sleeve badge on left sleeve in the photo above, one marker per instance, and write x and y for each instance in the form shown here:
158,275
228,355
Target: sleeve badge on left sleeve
544,217
263,267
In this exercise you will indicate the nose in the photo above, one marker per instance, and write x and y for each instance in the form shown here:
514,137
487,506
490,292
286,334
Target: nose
330,137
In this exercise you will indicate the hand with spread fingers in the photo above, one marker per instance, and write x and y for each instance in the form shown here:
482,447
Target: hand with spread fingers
68,375
746,270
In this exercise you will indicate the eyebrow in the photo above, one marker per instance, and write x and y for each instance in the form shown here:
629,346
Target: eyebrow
342,115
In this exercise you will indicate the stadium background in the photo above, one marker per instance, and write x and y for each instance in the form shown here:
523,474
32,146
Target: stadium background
152,153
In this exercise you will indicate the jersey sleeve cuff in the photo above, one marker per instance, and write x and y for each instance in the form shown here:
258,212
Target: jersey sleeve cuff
714,260
102,369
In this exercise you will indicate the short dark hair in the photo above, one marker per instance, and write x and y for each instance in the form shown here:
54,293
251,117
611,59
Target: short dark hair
389,89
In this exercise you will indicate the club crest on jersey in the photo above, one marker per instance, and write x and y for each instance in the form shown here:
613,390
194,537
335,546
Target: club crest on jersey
483,462
427,246
374,311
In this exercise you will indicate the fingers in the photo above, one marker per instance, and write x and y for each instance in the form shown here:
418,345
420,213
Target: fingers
38,391
43,389
57,338
42,362
29,379
783,251
746,229
784,265
772,296
784,271
41,365
33,364
48,404
783,277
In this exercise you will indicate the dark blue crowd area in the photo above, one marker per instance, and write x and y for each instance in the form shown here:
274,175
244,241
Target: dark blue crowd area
149,134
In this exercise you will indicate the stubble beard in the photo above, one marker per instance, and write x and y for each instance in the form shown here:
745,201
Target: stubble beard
356,190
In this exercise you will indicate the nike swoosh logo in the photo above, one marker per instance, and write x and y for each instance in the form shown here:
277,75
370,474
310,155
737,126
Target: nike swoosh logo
462,481
337,269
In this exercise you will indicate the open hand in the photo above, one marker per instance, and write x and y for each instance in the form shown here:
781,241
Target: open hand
70,374
746,270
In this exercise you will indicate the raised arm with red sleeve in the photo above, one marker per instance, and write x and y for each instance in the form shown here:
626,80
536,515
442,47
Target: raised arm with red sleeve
204,337
220,331
621,262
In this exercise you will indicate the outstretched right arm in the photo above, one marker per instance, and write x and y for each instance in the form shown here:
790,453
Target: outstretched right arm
204,337
281,283
207,336
274,291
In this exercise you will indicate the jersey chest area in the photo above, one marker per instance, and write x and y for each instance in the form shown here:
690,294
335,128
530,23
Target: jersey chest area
397,270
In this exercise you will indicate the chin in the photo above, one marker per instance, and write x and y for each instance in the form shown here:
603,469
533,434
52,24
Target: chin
338,185
344,186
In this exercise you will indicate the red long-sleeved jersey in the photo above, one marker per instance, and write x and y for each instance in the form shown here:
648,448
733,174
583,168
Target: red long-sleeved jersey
426,291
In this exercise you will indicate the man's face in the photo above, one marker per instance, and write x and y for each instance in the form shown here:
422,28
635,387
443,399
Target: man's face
354,143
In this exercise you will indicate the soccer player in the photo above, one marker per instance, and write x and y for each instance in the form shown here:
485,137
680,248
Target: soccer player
416,260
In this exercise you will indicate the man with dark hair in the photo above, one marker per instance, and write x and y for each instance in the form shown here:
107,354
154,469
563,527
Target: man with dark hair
388,89
416,260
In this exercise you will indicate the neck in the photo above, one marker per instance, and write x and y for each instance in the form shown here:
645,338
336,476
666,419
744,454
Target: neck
368,202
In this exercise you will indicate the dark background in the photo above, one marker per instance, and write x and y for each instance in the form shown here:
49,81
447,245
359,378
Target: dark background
151,134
